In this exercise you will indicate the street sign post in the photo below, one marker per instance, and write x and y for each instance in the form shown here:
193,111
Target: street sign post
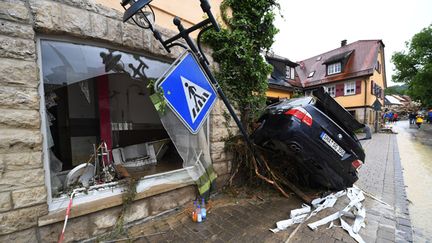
377,105
188,91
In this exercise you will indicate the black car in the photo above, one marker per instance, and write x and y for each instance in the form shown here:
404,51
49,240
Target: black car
315,135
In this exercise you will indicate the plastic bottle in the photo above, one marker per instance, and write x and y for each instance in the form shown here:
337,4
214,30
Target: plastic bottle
199,216
203,210
194,212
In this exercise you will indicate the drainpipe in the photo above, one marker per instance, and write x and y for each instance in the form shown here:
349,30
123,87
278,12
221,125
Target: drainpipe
365,102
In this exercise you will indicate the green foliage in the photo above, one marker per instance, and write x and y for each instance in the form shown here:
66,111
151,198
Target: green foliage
157,97
128,198
238,48
297,95
396,90
414,66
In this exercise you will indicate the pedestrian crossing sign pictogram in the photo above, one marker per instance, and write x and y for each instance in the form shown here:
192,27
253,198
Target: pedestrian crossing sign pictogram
188,91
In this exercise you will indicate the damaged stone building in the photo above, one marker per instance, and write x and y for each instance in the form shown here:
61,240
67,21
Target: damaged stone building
59,99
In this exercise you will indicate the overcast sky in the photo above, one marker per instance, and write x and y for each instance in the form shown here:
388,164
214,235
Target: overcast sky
311,27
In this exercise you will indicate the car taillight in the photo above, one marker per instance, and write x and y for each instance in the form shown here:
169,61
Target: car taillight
301,114
357,164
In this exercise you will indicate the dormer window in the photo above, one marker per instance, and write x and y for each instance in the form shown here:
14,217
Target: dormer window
337,62
290,72
311,74
334,68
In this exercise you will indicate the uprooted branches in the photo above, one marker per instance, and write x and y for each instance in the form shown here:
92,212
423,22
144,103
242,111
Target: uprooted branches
249,167
272,168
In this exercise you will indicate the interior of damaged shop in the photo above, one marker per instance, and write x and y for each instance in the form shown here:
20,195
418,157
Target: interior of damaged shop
101,125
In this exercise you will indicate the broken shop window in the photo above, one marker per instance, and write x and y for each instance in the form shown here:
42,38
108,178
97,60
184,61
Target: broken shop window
98,114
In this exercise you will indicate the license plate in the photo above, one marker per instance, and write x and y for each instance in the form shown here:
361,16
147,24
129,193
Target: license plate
332,144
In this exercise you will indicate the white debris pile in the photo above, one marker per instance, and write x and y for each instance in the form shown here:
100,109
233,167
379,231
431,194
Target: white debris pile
355,207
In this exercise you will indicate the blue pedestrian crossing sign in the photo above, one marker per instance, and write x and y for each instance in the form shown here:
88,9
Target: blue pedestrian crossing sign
188,91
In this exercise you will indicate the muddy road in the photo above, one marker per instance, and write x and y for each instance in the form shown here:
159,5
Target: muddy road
415,147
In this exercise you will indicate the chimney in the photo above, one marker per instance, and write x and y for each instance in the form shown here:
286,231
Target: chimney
343,43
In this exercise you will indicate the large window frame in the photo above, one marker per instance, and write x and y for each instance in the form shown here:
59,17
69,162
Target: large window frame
350,88
334,68
331,90
290,72
97,192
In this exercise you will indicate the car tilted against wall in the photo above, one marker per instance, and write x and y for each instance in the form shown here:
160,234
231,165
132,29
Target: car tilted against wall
313,137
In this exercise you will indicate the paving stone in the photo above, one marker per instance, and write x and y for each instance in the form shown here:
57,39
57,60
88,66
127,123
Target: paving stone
368,238
338,235
249,220
404,221
385,234
382,240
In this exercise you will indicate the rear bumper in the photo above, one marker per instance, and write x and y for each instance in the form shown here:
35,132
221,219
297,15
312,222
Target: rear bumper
323,162
324,166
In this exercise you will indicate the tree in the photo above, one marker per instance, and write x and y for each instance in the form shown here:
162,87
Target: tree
243,73
414,66
396,90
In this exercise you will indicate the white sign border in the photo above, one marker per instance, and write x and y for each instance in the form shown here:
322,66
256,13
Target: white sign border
167,73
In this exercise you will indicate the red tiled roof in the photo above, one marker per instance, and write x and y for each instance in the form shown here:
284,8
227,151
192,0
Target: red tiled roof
361,59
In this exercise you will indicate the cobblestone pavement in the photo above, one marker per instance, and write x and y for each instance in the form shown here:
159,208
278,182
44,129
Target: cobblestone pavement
248,220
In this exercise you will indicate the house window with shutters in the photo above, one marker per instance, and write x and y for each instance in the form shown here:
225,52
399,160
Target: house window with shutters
350,88
331,90
378,67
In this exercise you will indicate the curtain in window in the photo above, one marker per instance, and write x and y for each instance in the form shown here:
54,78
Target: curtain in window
194,149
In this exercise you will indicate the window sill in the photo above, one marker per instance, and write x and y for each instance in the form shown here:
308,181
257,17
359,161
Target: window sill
98,200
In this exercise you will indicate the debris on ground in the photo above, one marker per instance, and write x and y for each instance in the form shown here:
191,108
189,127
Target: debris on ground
354,209
387,128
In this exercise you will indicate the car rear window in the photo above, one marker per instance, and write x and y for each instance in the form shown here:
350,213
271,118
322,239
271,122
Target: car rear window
286,104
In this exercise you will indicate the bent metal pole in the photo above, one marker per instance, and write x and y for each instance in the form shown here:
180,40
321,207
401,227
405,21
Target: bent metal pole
204,25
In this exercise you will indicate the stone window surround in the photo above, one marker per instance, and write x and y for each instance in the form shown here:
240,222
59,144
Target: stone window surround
96,200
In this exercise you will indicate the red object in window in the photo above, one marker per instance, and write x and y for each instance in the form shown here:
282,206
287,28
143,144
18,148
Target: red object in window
104,110
301,114
339,90
358,87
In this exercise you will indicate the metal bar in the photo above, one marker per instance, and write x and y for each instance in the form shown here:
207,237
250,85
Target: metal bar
186,31
191,44
205,6
177,44
199,42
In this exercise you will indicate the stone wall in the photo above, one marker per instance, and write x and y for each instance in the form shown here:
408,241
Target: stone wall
22,185
23,195
220,129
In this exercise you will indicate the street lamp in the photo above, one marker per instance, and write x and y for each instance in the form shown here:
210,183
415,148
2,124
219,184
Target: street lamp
134,10
141,12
